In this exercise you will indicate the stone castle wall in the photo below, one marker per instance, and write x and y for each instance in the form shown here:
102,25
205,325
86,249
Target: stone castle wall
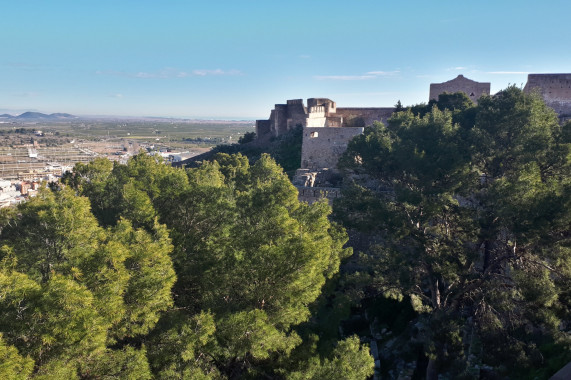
555,89
280,117
460,84
283,118
323,112
329,105
322,147
314,194
263,127
296,113
328,129
363,117
319,113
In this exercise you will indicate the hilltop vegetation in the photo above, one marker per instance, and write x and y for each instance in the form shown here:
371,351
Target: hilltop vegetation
285,149
143,270
459,214
468,211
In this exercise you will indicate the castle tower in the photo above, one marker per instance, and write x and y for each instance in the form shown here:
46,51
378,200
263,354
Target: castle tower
460,84
555,89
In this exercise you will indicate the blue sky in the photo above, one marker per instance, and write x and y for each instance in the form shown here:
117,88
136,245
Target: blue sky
235,59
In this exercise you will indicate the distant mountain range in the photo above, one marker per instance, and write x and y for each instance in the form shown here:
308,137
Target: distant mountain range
38,116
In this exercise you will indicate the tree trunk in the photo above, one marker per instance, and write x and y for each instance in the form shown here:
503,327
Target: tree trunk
435,292
432,369
486,262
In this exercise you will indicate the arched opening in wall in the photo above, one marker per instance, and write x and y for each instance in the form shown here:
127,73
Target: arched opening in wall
314,134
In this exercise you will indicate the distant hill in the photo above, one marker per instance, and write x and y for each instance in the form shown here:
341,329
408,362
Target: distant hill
62,116
39,116
31,115
43,116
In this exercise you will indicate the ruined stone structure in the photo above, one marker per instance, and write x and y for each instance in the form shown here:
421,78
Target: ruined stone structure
322,147
319,113
460,84
555,89
313,194
282,118
327,129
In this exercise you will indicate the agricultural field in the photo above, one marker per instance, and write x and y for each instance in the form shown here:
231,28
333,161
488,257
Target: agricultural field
197,132
30,146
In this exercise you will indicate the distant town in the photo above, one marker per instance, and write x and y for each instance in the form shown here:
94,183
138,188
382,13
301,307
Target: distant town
36,149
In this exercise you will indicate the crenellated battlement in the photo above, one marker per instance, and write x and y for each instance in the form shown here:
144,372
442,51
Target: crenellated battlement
317,109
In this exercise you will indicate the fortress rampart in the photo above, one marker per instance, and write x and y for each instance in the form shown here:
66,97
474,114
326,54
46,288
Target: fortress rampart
460,84
327,129
555,89
313,194
329,105
322,147
362,117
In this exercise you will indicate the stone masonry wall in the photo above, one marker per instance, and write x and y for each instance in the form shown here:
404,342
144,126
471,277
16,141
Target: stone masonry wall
313,194
320,112
322,147
263,127
329,105
363,117
555,90
280,119
460,84
296,113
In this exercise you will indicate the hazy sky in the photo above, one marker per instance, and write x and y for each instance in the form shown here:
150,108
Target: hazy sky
237,58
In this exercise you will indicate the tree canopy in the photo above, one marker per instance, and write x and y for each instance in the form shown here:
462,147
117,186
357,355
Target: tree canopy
148,271
143,270
71,289
472,208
